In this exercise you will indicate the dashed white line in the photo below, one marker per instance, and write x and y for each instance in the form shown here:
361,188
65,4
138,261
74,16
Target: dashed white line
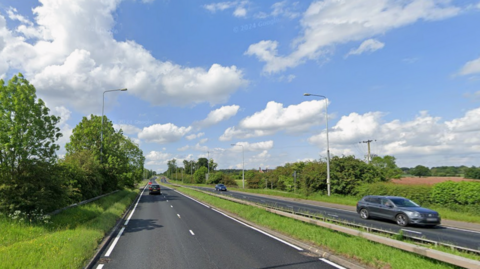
114,243
100,266
171,206
410,231
191,232
178,216
332,264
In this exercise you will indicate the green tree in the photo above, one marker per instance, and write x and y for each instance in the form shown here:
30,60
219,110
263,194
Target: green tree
28,133
202,162
388,166
420,171
200,175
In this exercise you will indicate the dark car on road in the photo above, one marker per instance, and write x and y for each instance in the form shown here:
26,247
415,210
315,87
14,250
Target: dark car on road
155,189
220,187
399,209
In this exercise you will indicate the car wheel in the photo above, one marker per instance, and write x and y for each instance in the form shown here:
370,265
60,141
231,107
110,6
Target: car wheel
402,220
364,214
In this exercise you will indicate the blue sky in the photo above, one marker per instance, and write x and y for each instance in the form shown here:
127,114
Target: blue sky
202,75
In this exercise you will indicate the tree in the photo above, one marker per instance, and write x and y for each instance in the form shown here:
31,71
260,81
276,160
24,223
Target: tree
28,134
420,171
202,162
212,165
199,175
388,166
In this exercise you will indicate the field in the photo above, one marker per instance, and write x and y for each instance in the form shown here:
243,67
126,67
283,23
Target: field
428,180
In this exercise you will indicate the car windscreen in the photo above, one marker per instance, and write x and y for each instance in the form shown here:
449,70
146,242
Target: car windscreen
403,202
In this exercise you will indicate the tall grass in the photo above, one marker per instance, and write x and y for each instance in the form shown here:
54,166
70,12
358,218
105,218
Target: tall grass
66,240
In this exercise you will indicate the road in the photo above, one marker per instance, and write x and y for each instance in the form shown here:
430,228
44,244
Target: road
449,235
173,231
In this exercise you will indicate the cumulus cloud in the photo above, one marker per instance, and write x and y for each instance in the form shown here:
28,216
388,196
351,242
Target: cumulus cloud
74,56
369,45
238,6
281,9
332,22
411,141
127,128
275,117
157,158
163,133
471,67
218,115
194,136
259,146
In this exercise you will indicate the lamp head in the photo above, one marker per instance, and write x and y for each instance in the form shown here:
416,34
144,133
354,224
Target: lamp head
306,94
124,89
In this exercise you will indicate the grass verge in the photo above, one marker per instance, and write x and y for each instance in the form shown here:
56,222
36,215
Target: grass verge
68,240
367,252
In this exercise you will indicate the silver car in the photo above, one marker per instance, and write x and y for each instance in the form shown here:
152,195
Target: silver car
399,209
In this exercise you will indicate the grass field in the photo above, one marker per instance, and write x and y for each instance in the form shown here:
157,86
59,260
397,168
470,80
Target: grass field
67,240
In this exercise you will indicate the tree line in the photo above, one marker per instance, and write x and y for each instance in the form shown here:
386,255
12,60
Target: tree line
33,179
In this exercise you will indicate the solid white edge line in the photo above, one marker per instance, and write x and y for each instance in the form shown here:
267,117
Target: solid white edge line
191,232
100,266
135,207
410,231
114,243
332,264
260,231
460,229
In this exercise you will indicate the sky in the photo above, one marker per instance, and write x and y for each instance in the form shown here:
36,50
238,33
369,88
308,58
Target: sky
226,79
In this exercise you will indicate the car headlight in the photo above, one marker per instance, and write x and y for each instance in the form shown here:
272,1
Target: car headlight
414,214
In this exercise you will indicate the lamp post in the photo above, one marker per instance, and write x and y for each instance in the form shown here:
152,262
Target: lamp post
328,147
243,164
101,129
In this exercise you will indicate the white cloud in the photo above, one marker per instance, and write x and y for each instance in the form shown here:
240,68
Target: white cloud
156,158
163,133
238,6
203,141
369,45
275,117
471,67
259,146
74,56
127,128
218,115
473,96
193,136
13,15
423,140
332,22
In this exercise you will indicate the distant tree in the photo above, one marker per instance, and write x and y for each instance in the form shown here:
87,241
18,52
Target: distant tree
420,171
472,173
388,166
212,165
202,162
200,175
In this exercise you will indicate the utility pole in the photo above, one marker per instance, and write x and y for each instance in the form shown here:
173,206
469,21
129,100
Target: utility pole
368,143
208,166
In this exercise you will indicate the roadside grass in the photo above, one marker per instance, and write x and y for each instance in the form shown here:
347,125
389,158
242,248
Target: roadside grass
67,240
360,249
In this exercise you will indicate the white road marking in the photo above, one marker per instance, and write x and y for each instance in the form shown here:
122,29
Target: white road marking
171,206
463,230
178,216
114,243
336,216
410,231
131,214
332,264
100,266
191,232
260,231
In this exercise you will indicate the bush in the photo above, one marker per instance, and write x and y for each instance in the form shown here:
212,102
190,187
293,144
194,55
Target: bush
459,193
418,193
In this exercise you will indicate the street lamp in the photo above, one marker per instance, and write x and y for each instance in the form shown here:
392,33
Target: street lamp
101,129
243,163
328,147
